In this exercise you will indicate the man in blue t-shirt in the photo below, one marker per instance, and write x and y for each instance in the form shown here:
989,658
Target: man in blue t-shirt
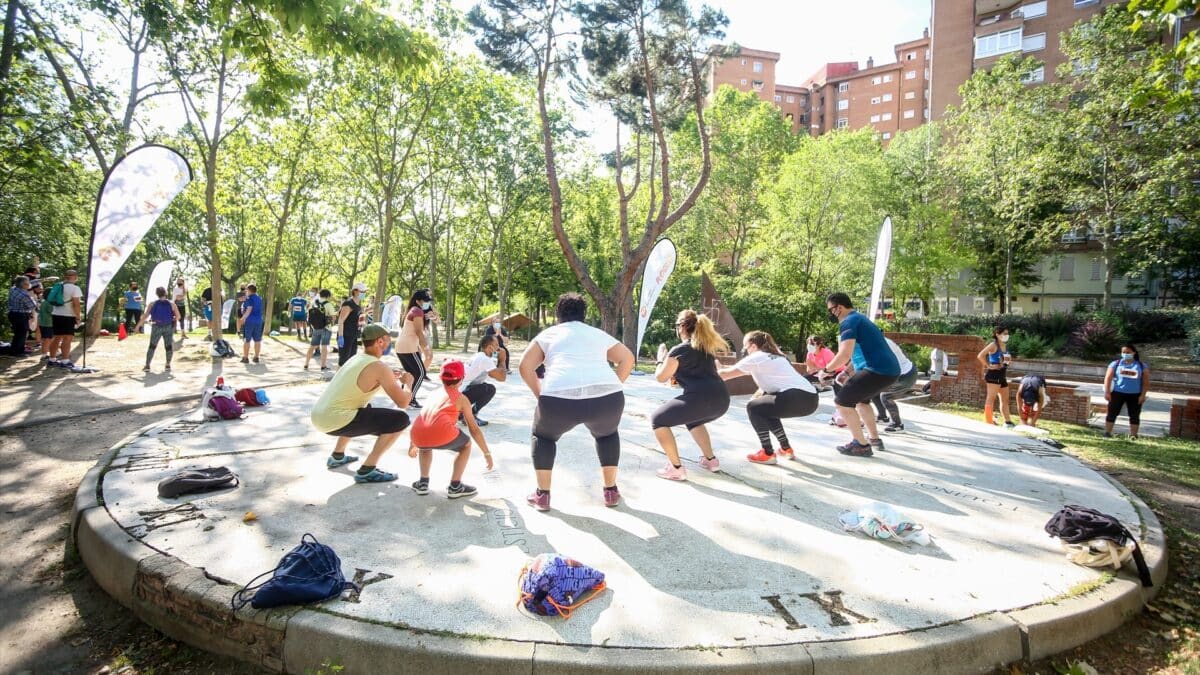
251,323
299,307
875,369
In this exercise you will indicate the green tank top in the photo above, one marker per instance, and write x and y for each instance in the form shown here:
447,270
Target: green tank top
342,399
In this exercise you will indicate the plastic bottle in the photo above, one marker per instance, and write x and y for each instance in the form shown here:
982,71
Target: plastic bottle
221,383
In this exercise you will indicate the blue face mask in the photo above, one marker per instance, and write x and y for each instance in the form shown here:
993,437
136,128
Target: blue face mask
1126,357
426,305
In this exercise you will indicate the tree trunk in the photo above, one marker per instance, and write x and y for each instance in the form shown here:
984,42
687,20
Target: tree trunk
6,53
1106,299
385,246
273,277
629,325
216,326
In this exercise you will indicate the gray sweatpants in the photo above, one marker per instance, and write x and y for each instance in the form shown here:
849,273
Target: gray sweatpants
166,333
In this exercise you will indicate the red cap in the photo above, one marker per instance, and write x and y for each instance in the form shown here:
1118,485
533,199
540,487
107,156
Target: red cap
453,371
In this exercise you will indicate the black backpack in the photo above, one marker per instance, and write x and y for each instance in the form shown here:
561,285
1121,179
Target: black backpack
317,318
223,349
1076,524
189,481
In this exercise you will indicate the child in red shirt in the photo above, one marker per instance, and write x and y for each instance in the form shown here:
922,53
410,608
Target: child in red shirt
436,428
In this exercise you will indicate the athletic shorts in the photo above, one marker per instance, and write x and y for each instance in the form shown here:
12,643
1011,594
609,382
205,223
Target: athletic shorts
63,325
299,318
999,377
320,337
862,387
1030,395
252,331
457,443
208,312
370,421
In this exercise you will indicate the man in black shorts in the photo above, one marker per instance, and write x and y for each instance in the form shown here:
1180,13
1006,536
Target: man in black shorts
344,409
875,369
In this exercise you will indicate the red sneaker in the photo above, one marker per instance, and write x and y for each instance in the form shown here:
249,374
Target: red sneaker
786,453
761,457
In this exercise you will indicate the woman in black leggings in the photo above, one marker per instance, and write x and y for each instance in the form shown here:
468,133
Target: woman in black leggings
692,364
412,347
785,393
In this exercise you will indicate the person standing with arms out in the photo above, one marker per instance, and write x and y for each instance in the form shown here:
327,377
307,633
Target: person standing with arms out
133,306
875,369
785,393
482,366
318,322
347,321
299,307
580,388
995,359
21,309
66,298
1126,383
163,315
180,297
412,347
436,428
344,408
251,323
693,365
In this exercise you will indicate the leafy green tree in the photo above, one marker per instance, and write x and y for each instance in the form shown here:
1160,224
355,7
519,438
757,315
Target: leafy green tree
1175,73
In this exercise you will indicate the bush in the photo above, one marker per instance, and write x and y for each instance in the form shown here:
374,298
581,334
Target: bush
1095,340
1027,346
918,354
1194,352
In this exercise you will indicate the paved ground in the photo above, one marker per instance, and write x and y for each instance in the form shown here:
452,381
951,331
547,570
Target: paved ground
750,556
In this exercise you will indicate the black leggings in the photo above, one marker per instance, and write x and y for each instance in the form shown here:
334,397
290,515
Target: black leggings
479,395
349,347
885,397
415,365
556,416
767,410
1117,399
692,408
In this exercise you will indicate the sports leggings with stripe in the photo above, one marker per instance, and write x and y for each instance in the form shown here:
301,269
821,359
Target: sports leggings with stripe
767,410
415,365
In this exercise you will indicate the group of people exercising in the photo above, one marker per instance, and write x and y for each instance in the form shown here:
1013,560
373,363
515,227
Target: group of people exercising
569,368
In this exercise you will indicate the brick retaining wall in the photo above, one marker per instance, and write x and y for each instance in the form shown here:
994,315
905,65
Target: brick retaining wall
1185,418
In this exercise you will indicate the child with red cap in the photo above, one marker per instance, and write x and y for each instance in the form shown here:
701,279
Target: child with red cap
436,428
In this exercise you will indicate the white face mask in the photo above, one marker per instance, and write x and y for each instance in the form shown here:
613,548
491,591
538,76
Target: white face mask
426,305
496,327
812,349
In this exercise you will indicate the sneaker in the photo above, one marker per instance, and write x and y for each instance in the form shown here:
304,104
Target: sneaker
1107,435
245,360
761,457
883,420
713,464
669,472
306,366
333,462
69,365
145,369
854,449
256,359
894,427
375,476
876,443
463,490
1009,425
539,501
786,453
414,405
420,487
167,368
481,422
612,496
324,367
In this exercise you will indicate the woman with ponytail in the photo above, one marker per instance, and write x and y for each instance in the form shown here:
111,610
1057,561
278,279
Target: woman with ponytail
786,393
692,364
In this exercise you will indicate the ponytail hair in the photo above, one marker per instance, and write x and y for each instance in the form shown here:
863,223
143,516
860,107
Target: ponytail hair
763,341
703,334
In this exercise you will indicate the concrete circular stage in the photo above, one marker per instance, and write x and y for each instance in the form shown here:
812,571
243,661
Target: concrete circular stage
748,569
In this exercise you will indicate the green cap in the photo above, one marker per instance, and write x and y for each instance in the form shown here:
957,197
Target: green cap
373,331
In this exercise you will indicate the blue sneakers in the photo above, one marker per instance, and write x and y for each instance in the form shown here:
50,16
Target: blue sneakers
334,462
376,476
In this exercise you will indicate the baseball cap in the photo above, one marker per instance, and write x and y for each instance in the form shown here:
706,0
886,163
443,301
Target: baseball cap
373,331
453,370
360,286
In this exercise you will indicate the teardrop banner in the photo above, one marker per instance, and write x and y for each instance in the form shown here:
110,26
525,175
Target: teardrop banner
659,266
883,254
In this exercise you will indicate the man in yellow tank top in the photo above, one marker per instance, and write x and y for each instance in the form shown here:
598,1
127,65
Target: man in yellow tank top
344,409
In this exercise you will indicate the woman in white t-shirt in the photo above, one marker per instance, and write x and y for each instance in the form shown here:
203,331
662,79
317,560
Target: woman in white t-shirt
785,393
580,387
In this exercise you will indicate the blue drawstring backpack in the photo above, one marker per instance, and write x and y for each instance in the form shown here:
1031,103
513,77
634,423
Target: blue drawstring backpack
311,572
554,585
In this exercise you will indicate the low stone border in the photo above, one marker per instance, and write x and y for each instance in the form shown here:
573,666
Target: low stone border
188,604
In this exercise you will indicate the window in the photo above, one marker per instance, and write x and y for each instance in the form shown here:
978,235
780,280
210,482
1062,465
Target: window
926,112
1036,75
910,75
874,119
791,99
778,98
1066,269
910,95
758,85
843,104
874,100
909,114
1085,3
743,81
978,304
1032,43
927,72
887,97
758,66
1032,10
910,56
1096,269
886,117
842,123
843,86
887,78
887,135
876,80
997,43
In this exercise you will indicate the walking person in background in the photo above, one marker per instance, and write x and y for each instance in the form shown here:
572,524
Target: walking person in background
580,388
133,306
163,315
299,310
319,320
1126,383
412,347
692,364
180,297
785,393
995,359
347,322
21,309
66,314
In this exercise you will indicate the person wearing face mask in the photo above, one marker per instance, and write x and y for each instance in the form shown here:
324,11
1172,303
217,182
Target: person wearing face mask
347,321
482,366
412,347
995,359
1126,383
875,369
817,358
496,329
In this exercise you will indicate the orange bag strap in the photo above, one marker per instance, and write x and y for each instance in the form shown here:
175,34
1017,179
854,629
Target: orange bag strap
563,610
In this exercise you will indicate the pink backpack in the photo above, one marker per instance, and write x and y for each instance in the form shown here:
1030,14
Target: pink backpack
227,408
